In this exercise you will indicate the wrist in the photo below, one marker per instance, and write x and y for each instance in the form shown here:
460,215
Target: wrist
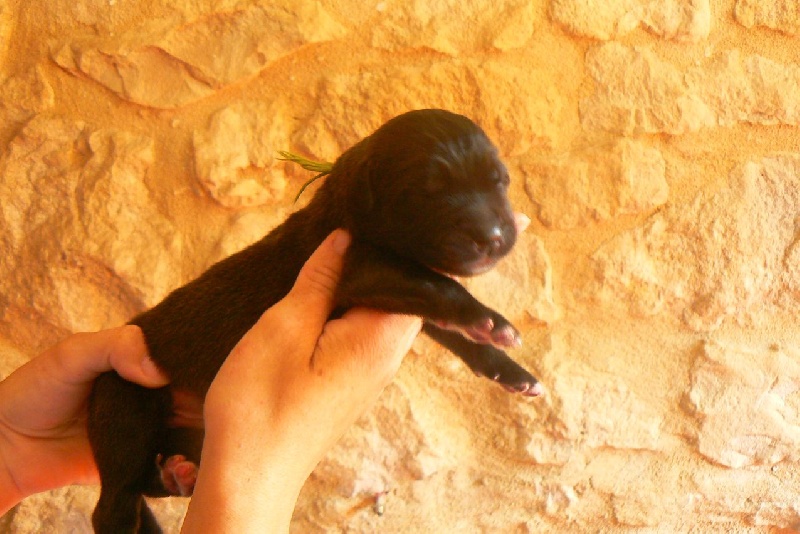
243,486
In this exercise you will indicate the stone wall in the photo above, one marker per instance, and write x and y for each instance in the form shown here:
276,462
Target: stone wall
653,142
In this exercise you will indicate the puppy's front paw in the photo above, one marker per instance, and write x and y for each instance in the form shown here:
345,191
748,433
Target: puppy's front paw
508,374
495,331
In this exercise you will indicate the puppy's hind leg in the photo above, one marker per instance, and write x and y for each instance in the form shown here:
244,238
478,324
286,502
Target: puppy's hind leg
485,360
123,431
147,521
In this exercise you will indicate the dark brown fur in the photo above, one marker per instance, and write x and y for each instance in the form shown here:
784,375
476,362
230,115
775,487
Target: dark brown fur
423,195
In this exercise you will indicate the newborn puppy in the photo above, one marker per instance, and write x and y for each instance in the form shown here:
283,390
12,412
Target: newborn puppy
424,197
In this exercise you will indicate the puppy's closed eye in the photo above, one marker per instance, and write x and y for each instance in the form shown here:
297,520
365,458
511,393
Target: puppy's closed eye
499,179
437,176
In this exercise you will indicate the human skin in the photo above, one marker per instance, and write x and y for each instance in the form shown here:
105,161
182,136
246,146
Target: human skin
279,404
43,441
284,398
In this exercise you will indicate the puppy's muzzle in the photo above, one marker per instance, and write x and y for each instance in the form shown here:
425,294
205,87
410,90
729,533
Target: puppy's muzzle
477,249
491,244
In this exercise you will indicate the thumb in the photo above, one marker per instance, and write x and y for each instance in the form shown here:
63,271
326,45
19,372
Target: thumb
82,357
128,356
316,283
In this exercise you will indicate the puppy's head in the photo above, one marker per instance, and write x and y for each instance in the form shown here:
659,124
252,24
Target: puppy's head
431,187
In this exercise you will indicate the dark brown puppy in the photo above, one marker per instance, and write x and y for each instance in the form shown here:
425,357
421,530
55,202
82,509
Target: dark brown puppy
423,195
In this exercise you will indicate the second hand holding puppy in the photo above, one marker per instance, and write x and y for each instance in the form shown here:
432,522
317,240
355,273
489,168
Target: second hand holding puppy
278,404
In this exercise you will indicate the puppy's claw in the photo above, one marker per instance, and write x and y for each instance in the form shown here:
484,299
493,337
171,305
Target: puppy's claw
535,390
526,389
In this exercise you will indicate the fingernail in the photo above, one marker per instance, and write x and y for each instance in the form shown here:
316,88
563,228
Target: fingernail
341,241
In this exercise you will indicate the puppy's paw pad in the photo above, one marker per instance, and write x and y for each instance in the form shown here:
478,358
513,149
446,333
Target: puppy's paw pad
480,332
178,475
485,331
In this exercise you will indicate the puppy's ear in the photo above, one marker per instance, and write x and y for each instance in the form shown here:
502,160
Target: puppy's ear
365,197
354,168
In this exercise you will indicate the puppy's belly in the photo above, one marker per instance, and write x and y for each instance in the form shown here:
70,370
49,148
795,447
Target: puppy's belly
187,409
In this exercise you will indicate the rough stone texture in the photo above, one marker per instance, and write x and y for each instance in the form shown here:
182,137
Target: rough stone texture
681,20
597,183
724,255
80,225
6,27
526,107
657,289
781,15
167,64
746,405
638,92
235,158
385,464
454,26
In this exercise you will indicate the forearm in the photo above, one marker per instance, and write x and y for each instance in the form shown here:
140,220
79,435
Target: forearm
10,493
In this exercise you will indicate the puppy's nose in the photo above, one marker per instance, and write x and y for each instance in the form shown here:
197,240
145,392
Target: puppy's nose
492,242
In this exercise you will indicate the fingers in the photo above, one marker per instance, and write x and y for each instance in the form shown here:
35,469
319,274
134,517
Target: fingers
302,314
82,357
317,280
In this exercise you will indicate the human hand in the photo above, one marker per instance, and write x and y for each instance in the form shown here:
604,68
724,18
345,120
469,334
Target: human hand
286,394
43,442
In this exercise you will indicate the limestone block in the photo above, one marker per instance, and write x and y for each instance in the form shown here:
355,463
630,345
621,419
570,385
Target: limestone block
681,20
388,447
453,26
526,112
638,92
721,256
602,412
244,41
781,15
749,89
234,158
29,91
168,64
63,510
246,228
746,403
6,29
22,95
635,485
597,183
81,226
761,497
